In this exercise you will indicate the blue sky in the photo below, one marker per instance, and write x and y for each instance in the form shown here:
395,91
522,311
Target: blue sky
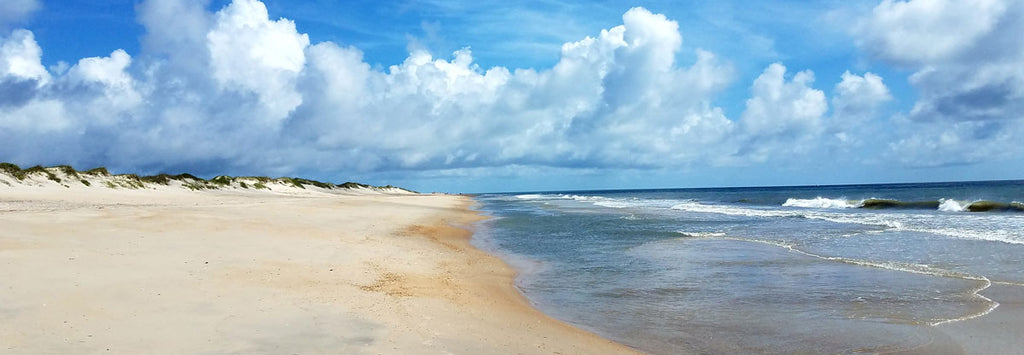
470,96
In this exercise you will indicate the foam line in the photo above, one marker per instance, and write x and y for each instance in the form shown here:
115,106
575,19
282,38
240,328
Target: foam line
903,267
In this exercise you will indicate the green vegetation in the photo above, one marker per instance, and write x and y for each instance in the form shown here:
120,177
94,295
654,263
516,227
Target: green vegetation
132,181
68,170
354,185
260,186
40,170
85,182
196,185
162,179
222,180
13,170
293,182
182,177
101,171
243,185
322,185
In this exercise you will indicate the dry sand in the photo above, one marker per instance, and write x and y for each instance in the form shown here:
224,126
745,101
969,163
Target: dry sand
96,270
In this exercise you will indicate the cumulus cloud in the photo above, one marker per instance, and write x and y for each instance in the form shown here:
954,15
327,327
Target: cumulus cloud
968,60
921,31
856,102
236,91
250,53
783,107
20,57
857,98
782,116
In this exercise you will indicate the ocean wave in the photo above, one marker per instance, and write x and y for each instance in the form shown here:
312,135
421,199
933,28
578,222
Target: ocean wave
983,226
945,205
695,206
821,202
702,235
529,196
975,226
950,206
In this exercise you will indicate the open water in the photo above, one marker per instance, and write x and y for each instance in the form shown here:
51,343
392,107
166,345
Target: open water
821,269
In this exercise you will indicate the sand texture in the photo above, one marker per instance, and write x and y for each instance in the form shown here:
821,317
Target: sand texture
168,270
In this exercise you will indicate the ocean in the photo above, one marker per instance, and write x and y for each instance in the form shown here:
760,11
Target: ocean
813,269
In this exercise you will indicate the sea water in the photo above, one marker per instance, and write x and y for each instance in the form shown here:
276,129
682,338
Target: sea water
823,269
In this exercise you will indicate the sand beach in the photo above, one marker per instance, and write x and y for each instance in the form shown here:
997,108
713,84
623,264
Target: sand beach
164,269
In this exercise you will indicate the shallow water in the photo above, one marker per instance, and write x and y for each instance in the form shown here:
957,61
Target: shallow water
760,269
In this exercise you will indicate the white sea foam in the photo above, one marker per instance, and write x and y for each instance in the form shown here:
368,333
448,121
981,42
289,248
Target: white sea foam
950,206
706,235
820,202
694,206
962,226
988,227
534,197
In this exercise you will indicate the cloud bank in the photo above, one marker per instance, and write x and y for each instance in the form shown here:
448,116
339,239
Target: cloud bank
237,91
968,63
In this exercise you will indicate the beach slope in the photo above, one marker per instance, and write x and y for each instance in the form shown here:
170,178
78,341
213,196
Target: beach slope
170,270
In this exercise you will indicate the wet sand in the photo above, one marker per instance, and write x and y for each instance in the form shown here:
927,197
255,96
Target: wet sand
999,332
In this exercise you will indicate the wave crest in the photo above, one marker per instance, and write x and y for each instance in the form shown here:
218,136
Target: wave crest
820,202
947,205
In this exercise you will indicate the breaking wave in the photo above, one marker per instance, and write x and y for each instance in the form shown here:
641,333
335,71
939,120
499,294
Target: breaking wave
950,206
821,202
968,226
872,212
945,205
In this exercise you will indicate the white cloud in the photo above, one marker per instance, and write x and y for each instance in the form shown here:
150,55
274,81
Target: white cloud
969,72
958,143
35,117
235,91
589,109
20,57
784,108
115,90
921,31
176,31
14,11
251,53
856,103
857,99
109,71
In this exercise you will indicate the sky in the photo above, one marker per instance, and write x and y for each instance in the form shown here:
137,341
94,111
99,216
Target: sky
542,95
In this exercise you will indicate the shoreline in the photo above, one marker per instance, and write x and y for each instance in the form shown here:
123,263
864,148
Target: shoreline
166,270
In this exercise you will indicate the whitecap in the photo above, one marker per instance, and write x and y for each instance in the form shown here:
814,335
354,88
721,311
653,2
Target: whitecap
820,202
950,206
702,234
533,197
